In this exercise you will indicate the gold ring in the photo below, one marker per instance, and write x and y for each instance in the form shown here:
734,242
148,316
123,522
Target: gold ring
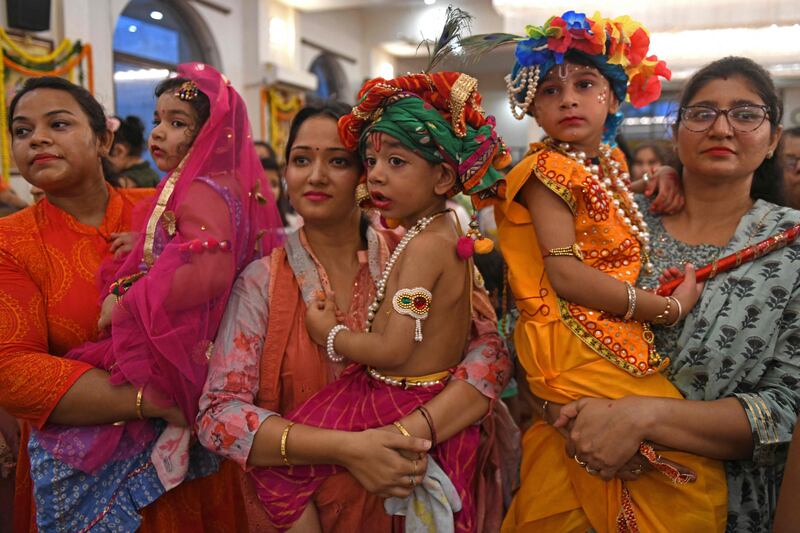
415,467
582,463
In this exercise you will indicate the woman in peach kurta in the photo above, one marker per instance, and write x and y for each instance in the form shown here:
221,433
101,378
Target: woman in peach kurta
570,351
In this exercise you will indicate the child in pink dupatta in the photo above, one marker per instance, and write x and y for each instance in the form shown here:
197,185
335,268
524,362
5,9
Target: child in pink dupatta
211,217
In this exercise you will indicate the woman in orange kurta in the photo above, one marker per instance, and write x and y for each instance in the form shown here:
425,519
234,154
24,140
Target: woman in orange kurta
50,255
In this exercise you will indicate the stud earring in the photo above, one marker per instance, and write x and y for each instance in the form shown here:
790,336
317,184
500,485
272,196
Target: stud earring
770,154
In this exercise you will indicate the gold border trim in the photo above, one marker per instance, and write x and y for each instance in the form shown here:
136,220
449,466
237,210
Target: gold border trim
158,210
600,348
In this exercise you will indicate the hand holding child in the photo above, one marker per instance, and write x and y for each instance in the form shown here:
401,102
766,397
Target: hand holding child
320,318
106,310
122,243
665,184
688,292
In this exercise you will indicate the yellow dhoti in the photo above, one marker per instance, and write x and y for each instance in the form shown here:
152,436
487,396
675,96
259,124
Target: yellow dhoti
570,352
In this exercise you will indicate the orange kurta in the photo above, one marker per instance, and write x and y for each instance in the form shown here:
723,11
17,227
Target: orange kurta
569,352
48,305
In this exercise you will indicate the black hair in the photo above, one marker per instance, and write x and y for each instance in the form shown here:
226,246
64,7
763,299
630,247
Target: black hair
331,109
200,104
131,134
768,177
269,148
284,207
655,147
268,163
91,107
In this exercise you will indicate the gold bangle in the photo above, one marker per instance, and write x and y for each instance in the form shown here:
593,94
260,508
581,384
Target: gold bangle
401,428
139,413
631,301
572,250
663,318
284,437
680,311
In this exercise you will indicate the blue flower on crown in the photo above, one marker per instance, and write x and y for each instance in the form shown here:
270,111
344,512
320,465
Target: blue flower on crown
576,21
533,52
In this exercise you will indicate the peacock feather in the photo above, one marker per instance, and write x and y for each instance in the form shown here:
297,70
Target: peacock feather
476,46
456,21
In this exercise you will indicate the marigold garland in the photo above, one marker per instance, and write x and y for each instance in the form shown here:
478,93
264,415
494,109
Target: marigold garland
46,58
281,112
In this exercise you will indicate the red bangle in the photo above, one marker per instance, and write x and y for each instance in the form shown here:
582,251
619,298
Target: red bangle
429,419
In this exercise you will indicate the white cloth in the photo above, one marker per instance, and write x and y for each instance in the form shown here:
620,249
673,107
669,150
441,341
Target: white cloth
432,504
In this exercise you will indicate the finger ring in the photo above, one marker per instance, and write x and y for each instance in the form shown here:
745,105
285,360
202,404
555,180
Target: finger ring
591,470
637,471
413,483
415,467
582,463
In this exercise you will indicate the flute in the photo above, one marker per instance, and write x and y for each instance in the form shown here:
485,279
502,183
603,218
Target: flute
729,262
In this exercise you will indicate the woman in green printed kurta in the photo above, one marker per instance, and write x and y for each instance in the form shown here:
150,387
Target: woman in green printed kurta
736,357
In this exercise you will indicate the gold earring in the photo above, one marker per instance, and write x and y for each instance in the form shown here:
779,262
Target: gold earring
770,154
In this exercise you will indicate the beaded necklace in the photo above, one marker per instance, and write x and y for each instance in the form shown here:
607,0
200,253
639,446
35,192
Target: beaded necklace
615,186
380,285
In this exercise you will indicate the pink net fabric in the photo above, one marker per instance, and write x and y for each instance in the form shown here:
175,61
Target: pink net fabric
212,216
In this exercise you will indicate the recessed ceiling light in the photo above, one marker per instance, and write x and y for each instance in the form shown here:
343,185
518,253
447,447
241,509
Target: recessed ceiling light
156,15
132,28
429,2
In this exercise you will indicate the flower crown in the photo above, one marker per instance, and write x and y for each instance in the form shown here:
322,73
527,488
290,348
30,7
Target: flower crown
617,47
621,42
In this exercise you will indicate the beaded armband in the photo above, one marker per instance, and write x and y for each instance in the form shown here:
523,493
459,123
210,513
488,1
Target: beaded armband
415,303
122,285
566,251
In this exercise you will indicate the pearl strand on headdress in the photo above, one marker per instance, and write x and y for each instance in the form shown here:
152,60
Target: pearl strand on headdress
615,186
380,285
526,77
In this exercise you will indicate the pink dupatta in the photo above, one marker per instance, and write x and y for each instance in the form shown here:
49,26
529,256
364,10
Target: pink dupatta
212,215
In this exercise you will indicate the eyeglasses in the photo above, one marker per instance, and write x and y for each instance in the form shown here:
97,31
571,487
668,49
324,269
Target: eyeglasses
791,160
742,118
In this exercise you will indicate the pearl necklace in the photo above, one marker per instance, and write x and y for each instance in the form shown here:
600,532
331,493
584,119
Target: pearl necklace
380,285
615,186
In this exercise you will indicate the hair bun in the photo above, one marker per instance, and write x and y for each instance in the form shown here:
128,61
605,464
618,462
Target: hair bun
134,123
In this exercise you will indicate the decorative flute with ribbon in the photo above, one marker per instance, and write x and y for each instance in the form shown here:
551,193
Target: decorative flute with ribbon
745,255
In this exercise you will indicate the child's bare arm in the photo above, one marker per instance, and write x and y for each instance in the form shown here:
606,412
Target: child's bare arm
420,265
575,281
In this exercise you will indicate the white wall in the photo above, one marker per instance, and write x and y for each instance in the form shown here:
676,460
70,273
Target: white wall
341,32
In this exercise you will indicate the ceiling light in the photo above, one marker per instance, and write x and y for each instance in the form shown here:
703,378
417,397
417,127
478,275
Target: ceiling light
386,70
132,28
156,15
429,2
141,74
278,31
